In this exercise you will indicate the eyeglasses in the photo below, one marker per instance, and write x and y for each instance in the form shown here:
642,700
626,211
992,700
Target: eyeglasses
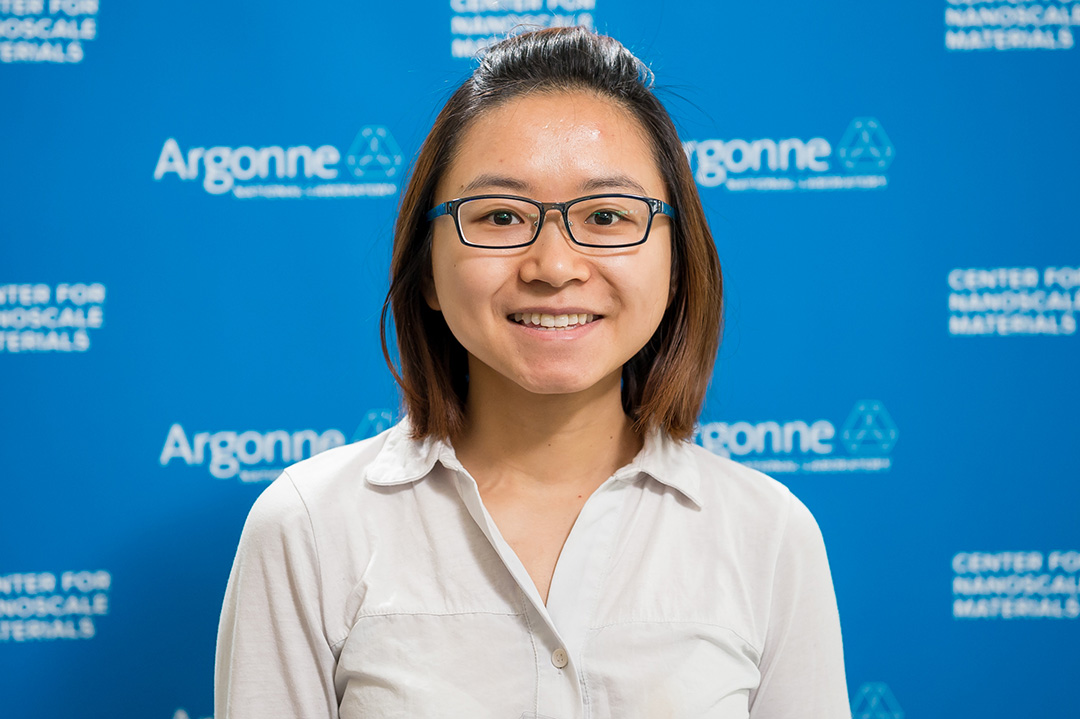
509,221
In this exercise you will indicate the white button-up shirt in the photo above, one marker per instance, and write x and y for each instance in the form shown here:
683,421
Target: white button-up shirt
370,581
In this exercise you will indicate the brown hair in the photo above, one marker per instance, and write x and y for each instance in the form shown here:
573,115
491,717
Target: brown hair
664,384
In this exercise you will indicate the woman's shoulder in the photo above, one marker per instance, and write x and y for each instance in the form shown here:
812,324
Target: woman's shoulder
333,478
747,496
345,463
725,480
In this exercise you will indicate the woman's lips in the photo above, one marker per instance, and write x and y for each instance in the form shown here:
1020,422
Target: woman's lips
544,320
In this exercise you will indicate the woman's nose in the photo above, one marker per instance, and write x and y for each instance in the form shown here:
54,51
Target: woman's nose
554,258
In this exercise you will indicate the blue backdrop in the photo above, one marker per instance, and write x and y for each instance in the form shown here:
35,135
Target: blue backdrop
196,203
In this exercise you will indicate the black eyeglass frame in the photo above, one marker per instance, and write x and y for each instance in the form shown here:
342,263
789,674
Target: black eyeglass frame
450,207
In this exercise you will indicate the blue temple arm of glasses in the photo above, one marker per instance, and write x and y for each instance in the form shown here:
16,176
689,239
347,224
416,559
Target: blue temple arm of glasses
443,208
667,209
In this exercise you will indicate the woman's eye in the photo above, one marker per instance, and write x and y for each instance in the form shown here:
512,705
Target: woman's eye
604,217
503,218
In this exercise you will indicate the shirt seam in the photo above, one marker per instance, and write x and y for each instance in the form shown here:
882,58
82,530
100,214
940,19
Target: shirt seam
536,655
751,698
376,615
776,564
436,614
318,559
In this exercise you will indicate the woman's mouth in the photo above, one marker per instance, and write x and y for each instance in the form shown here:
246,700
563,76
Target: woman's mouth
538,320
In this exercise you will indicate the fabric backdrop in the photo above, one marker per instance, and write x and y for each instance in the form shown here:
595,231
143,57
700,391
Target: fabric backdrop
196,203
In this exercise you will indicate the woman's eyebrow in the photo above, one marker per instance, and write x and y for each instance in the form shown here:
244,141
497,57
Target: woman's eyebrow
622,181
497,181
488,180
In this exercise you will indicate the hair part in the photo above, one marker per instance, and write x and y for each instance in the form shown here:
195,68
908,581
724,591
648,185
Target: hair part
664,384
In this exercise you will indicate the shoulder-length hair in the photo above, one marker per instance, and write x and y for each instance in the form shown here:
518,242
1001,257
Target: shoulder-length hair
664,384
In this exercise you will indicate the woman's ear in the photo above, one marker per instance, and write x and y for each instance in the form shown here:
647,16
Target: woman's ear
430,295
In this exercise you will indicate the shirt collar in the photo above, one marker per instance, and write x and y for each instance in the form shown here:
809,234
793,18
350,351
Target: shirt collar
670,462
403,459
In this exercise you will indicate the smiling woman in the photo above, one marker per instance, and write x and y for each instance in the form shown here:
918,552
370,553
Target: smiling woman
538,538
555,145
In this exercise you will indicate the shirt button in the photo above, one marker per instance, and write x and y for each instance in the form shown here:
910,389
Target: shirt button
559,658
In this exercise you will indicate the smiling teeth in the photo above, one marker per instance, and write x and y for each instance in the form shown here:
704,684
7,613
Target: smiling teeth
552,321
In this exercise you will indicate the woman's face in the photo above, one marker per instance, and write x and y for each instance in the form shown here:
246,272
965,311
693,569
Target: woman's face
551,147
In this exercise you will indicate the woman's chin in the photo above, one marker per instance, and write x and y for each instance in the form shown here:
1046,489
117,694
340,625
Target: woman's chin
502,380
562,384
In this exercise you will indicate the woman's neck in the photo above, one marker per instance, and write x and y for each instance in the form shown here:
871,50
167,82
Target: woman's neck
567,442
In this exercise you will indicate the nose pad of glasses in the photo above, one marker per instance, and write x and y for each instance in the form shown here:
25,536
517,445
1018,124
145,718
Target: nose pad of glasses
536,222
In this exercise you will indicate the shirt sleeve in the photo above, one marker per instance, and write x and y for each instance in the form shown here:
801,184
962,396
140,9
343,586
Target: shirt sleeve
273,657
802,664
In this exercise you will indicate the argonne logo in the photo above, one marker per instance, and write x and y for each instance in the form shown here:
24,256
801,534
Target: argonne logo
374,154
793,164
865,147
230,454
868,435
298,171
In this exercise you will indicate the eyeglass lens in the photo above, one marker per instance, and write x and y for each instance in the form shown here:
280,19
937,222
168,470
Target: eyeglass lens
604,221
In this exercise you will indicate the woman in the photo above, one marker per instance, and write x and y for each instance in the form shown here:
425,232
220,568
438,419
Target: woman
537,538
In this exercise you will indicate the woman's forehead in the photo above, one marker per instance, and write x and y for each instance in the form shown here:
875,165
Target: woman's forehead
570,139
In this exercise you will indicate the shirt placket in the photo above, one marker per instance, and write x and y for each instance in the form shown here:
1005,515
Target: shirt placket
580,574
559,629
